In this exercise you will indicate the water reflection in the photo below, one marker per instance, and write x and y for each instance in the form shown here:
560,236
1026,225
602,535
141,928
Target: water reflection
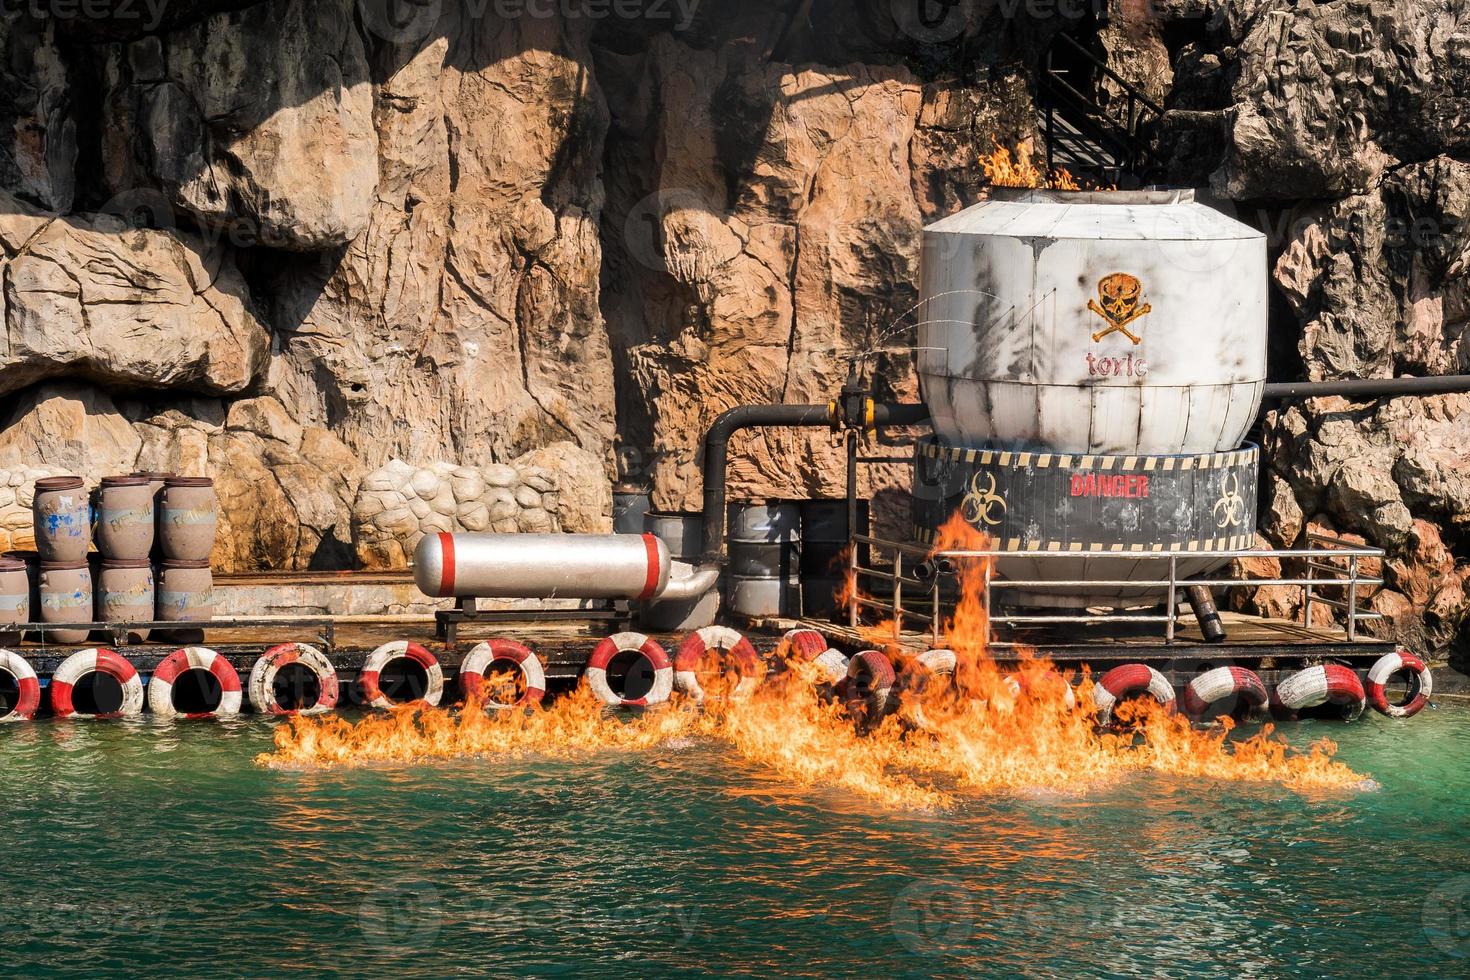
164,847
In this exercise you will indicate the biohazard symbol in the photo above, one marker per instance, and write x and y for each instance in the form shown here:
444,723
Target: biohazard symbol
1230,508
978,505
1119,293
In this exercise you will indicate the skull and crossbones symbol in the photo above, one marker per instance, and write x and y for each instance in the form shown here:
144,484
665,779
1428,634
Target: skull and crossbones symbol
1119,293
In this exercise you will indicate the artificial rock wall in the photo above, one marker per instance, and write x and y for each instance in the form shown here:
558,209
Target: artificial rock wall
299,244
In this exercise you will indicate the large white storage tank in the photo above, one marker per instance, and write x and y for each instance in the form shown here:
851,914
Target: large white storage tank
1104,322
1091,363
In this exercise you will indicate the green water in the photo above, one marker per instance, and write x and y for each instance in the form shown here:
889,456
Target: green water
148,847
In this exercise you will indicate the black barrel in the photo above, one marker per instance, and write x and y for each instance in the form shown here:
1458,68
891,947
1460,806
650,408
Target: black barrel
824,539
630,510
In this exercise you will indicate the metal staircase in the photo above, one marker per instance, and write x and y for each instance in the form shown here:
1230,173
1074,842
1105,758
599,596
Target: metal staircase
1104,144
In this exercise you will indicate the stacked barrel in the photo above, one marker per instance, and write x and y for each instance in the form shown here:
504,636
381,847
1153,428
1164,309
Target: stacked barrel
63,525
153,533
187,515
765,558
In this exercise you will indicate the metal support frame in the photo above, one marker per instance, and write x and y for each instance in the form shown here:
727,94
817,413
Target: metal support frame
325,629
448,621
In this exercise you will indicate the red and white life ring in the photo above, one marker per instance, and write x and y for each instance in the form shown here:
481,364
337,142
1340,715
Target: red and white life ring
100,661
1040,685
809,646
263,679
870,680
1319,685
1421,684
1238,685
1130,680
938,663
161,686
372,668
28,695
478,661
930,673
833,664
729,648
801,644
658,662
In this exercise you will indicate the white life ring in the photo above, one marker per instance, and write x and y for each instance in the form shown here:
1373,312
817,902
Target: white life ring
1126,681
478,661
1239,685
872,670
1319,685
28,696
368,679
730,649
932,668
1040,684
657,659
263,679
801,644
1421,684
161,686
100,661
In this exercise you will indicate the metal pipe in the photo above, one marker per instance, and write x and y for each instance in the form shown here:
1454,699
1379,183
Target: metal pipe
688,582
717,457
899,413
717,449
1368,387
1205,613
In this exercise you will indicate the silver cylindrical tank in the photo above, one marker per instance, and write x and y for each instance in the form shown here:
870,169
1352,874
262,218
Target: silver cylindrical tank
1104,322
764,544
527,566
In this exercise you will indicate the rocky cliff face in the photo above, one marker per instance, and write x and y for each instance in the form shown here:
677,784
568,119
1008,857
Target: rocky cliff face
1343,130
291,243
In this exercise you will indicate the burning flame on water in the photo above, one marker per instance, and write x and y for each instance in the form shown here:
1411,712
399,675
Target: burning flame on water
1003,171
978,733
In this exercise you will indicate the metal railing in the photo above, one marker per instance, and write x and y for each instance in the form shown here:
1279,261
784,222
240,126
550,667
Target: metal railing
1116,146
917,575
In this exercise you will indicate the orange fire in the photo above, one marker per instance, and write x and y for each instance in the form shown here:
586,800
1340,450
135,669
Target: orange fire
1003,171
986,728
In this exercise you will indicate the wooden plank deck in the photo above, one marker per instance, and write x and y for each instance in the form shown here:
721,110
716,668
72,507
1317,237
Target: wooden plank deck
1249,638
